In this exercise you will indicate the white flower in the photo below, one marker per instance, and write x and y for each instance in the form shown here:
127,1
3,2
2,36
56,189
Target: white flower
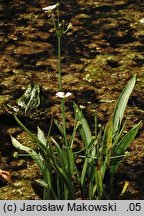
50,8
63,95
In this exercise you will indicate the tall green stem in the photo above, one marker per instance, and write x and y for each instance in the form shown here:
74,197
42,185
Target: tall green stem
59,61
64,120
60,84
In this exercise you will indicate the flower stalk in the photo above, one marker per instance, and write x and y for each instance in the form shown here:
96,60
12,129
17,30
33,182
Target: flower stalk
60,31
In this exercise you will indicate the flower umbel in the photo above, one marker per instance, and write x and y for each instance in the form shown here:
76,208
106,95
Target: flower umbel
63,95
50,8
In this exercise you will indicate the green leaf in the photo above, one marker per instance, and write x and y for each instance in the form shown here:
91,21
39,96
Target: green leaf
71,160
126,140
42,183
59,126
59,159
75,127
41,136
65,179
84,128
84,171
99,183
23,127
121,104
119,135
30,151
93,182
105,165
107,138
43,148
65,159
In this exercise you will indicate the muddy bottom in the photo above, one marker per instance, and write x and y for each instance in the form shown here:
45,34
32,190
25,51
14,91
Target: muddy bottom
100,54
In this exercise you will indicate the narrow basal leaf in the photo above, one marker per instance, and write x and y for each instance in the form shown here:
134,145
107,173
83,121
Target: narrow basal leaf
71,159
126,140
84,171
59,126
99,183
68,159
84,128
59,159
107,139
42,183
37,141
41,136
65,158
122,103
65,179
30,151
119,135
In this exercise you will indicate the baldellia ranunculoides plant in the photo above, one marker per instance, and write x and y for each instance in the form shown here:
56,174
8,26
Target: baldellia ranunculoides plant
101,153
56,161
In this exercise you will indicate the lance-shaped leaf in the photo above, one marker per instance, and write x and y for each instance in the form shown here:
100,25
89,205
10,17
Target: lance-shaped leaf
107,139
84,128
121,104
30,151
41,136
126,140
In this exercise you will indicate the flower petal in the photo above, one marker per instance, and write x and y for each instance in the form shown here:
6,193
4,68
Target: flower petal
50,8
68,94
60,94
63,95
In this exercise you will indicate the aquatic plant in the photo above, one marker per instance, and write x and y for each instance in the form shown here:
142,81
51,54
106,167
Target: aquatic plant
101,153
